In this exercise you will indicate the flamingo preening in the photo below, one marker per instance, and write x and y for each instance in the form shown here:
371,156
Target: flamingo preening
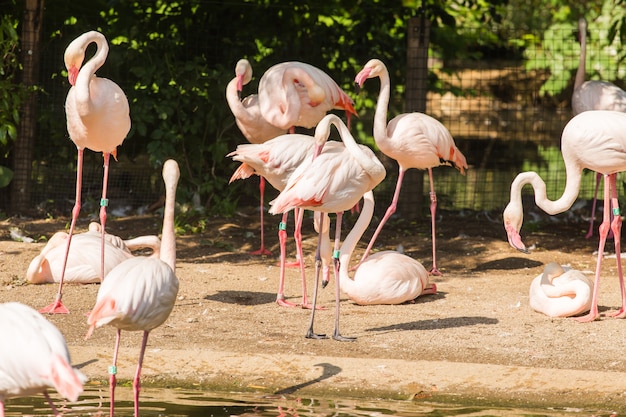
560,292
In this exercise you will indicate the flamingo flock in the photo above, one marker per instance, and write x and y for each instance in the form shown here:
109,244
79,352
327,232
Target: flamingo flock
310,172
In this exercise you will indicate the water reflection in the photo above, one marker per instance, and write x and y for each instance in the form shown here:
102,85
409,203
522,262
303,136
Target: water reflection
192,403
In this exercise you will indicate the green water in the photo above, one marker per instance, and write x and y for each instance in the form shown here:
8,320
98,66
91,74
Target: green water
185,402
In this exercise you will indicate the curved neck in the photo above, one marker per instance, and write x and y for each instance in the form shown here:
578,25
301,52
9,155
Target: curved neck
345,281
89,69
572,187
382,104
171,174
581,71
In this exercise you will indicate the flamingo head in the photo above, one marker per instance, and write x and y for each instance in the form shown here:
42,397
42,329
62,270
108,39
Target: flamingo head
373,68
74,57
243,72
513,217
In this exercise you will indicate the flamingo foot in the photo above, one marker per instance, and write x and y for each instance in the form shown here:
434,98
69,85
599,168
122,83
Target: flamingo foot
430,289
284,303
295,264
435,271
341,338
589,234
261,251
620,314
587,318
309,306
310,334
57,307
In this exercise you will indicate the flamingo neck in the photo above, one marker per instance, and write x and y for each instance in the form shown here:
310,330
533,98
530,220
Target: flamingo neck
88,71
382,104
168,237
582,62
551,207
347,284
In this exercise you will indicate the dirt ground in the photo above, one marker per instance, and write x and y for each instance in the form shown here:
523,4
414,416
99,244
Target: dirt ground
477,338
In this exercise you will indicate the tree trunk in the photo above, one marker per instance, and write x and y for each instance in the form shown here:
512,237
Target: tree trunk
25,143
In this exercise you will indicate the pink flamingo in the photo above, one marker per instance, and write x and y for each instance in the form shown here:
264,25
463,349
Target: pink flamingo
139,294
276,160
97,119
414,140
560,292
386,277
595,140
593,95
332,182
253,126
298,94
83,261
35,357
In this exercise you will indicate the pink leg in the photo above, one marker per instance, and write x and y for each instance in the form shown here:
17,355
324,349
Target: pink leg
112,373
104,202
282,240
603,231
616,228
337,335
297,236
310,334
50,403
137,380
57,306
262,250
390,211
593,206
433,211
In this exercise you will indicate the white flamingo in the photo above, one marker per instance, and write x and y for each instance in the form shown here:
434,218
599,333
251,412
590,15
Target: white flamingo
560,292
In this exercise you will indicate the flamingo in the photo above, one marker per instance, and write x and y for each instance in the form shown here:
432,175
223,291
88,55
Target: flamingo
595,140
560,292
332,182
593,95
299,94
35,357
386,277
139,294
276,160
83,262
253,126
414,140
98,119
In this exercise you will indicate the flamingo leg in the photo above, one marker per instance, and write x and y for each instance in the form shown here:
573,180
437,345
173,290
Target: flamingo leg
593,206
310,334
55,411
112,373
297,236
262,250
433,211
282,240
616,228
104,202
603,231
57,306
137,379
390,210
337,335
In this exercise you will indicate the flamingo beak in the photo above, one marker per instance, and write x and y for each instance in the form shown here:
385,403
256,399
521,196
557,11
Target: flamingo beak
515,239
72,74
239,85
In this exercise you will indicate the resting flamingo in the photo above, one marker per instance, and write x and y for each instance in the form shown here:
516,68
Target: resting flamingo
414,140
560,292
299,94
139,294
386,277
593,95
98,119
253,126
332,182
35,357
83,261
595,140
276,160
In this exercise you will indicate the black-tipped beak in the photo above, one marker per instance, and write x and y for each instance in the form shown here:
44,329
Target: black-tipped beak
324,283
357,87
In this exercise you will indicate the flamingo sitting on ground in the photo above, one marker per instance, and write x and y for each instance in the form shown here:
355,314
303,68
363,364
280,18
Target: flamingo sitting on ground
83,261
298,94
595,140
560,292
98,119
386,277
34,357
276,160
253,126
414,140
139,294
593,95
333,182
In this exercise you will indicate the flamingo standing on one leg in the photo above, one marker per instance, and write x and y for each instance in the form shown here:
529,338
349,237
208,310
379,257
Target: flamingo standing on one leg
34,357
593,95
386,277
332,182
83,262
276,160
98,119
253,126
414,140
139,294
595,140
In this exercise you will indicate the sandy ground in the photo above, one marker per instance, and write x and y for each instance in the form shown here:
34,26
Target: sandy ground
476,339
